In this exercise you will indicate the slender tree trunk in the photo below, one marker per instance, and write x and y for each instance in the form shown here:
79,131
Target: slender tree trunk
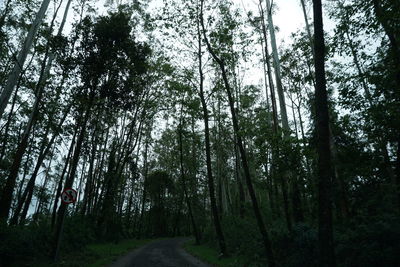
8,123
4,14
277,68
303,6
394,42
43,188
98,196
89,182
296,199
60,181
269,70
214,210
28,192
325,231
70,180
257,212
45,68
13,76
144,194
284,179
6,196
183,181
274,106
239,182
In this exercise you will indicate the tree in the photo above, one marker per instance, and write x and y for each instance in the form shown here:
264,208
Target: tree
256,209
210,179
325,231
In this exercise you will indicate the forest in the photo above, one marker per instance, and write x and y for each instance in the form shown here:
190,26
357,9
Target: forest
205,119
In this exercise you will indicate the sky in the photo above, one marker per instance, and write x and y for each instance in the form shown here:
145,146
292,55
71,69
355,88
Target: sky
288,16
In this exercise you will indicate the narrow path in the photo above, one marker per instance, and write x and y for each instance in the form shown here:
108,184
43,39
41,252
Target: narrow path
163,253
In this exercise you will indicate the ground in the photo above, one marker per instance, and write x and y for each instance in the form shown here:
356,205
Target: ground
162,253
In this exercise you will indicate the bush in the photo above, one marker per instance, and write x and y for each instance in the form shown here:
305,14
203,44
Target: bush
23,244
78,232
35,241
298,248
370,243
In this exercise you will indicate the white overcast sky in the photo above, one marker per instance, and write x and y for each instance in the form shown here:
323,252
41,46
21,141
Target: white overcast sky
288,16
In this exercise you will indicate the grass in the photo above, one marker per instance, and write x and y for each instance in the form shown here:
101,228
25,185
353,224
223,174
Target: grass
103,254
94,255
210,255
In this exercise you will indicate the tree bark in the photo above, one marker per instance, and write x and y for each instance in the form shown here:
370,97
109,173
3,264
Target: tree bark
60,181
257,212
303,6
28,192
45,68
6,196
394,42
13,76
277,67
183,181
325,231
269,70
82,123
210,180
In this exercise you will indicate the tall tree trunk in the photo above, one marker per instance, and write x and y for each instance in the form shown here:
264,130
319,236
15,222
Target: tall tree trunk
28,192
8,123
238,177
60,181
144,194
269,70
285,177
6,196
183,181
97,195
82,124
13,76
45,68
210,179
394,42
43,188
303,6
257,212
277,68
325,231
89,183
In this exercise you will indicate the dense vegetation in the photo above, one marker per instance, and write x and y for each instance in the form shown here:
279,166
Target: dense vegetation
187,117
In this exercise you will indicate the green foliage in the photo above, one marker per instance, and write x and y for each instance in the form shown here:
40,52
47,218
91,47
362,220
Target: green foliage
298,248
369,243
33,244
78,232
24,243
160,187
111,63
358,243
246,244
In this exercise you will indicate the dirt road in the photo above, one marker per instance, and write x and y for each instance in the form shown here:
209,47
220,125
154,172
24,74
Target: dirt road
163,253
